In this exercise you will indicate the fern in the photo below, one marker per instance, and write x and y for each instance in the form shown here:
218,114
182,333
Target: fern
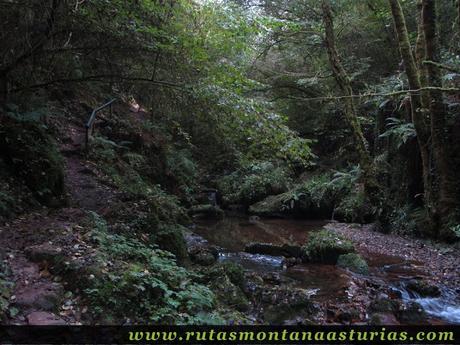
402,131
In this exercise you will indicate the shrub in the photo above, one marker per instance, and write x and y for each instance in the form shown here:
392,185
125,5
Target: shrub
30,150
143,282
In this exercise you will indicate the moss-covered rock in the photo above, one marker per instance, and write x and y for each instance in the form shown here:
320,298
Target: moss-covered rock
235,273
384,305
270,206
171,238
224,281
287,250
354,262
204,256
423,288
207,211
382,319
33,155
326,246
413,314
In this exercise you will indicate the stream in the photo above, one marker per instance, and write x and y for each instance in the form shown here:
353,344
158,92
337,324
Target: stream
328,286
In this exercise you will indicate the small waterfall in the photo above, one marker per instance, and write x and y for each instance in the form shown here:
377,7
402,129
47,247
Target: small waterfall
444,307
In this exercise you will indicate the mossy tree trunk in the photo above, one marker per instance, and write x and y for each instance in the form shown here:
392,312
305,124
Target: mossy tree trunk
344,83
418,103
447,194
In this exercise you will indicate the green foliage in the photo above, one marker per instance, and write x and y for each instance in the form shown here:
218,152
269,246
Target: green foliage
408,220
354,262
339,195
255,182
29,148
455,229
5,289
184,168
402,131
143,282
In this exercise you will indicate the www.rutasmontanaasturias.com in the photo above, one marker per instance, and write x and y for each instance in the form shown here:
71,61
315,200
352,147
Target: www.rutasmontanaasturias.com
290,336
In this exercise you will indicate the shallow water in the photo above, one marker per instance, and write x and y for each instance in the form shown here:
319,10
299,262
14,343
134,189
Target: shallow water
328,282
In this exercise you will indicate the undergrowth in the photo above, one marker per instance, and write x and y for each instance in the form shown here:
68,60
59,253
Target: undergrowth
144,283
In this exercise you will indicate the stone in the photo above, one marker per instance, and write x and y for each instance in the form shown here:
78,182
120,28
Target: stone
204,256
286,250
412,314
269,207
381,319
44,252
42,318
384,305
325,247
207,211
423,288
41,295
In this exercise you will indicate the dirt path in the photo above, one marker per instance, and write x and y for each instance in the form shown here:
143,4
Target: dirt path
441,263
39,297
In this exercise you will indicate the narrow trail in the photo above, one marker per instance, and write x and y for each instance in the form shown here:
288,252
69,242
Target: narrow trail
39,297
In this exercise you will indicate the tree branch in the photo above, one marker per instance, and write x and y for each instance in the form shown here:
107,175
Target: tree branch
101,77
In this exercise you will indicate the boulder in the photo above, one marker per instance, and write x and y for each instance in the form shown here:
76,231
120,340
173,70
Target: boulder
44,253
42,318
423,288
270,206
171,238
412,314
381,319
286,250
206,211
224,281
325,247
204,256
353,262
41,295
384,306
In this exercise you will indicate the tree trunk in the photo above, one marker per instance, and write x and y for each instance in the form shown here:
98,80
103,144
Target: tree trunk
447,196
418,106
343,81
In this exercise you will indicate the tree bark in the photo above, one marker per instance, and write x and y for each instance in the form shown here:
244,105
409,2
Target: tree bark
418,103
447,195
343,81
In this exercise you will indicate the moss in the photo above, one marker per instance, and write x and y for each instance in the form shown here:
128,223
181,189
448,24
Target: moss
325,247
354,262
235,272
271,206
383,305
32,153
171,238
225,280
423,288
413,314
207,211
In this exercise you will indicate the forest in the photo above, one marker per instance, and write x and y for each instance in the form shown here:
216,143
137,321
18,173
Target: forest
229,162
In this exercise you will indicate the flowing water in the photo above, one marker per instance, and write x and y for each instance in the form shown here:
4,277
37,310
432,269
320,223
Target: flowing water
326,282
